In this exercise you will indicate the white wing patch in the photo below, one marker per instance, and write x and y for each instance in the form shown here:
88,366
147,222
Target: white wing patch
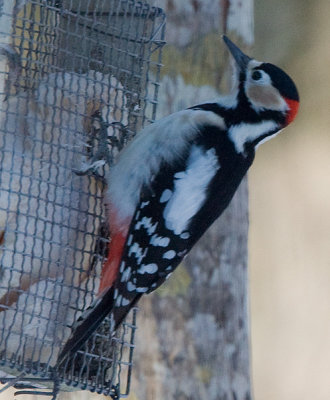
166,195
130,286
147,223
142,289
159,241
185,235
190,187
148,269
245,133
126,275
169,255
164,140
138,251
124,302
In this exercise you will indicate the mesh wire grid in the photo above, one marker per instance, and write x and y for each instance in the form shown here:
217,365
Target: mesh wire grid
77,80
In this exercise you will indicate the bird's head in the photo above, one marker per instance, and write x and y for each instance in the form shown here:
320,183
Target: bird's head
265,86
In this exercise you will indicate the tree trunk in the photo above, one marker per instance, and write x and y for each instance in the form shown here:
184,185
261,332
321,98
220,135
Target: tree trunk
193,336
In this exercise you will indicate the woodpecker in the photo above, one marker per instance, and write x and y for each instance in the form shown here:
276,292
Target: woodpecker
175,179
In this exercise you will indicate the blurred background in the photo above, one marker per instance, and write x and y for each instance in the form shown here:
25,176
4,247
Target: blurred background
289,187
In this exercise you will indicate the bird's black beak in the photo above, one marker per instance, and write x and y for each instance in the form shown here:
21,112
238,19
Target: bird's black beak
241,59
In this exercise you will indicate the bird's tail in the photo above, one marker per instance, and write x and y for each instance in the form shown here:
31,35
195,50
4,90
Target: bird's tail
91,319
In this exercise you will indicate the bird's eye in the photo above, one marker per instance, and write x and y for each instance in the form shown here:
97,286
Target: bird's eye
256,75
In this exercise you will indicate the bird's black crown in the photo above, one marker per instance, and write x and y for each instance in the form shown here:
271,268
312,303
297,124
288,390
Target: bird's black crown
281,81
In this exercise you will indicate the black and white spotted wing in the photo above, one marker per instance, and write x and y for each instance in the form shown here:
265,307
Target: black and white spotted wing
152,251
176,210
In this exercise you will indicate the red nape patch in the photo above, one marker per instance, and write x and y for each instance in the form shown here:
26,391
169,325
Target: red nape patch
110,268
293,110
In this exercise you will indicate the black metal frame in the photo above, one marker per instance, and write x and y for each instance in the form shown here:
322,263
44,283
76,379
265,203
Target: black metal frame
81,82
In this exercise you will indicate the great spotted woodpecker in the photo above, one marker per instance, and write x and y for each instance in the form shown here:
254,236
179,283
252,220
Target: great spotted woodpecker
175,179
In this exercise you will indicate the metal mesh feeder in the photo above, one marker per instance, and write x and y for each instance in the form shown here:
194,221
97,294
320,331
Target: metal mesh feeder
77,80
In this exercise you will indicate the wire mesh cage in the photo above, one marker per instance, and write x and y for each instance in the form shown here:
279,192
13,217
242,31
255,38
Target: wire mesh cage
77,80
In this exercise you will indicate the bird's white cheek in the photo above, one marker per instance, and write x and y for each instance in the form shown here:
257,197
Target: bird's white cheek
265,97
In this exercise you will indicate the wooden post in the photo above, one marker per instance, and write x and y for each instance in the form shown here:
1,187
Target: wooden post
193,336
